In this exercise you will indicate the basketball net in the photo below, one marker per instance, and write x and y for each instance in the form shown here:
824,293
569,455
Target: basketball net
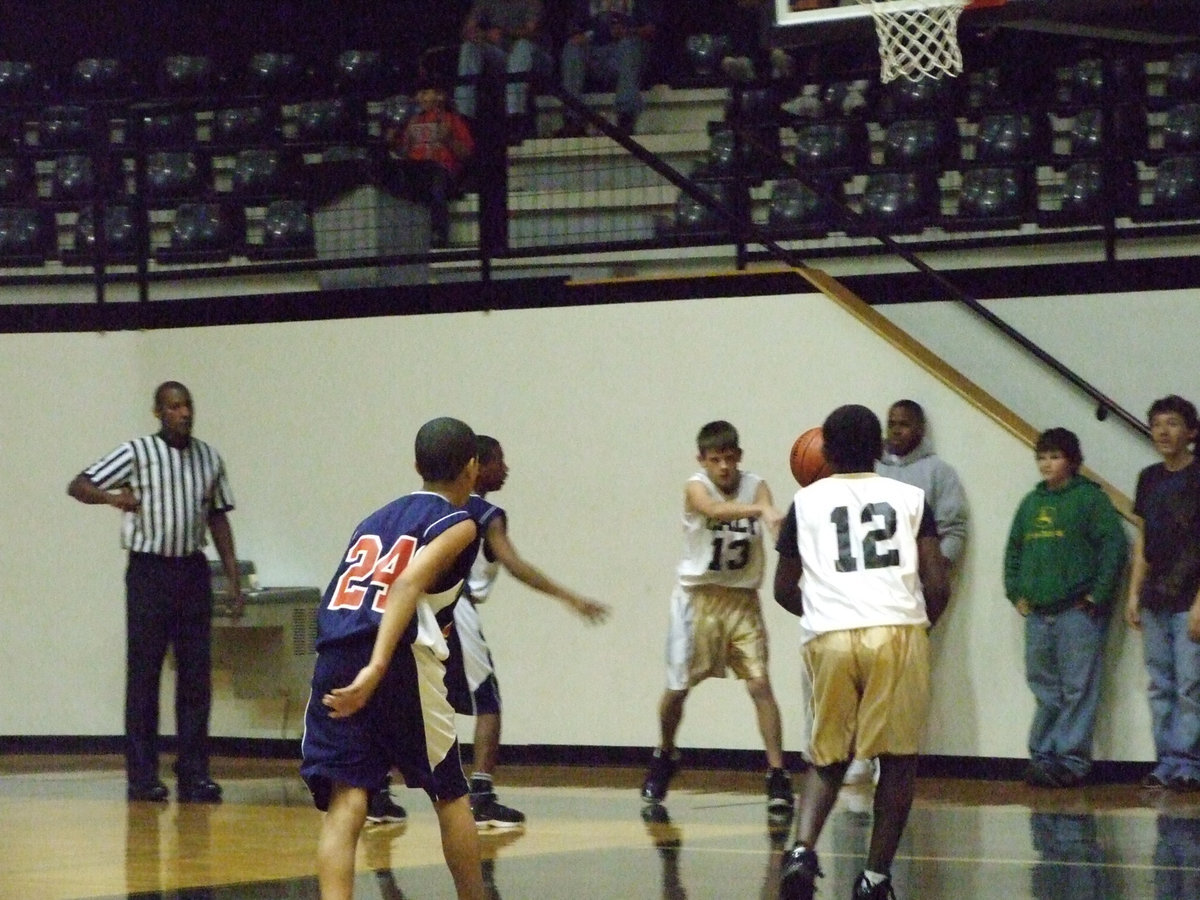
917,39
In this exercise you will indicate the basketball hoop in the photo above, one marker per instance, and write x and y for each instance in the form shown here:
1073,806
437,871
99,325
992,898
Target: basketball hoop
917,38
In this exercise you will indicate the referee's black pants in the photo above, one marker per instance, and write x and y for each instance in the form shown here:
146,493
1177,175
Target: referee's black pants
168,602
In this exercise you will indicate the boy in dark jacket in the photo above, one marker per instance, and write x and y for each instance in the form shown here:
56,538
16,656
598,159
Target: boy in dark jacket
1064,558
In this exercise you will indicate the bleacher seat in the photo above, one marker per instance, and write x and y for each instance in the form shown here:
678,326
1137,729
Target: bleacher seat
273,74
68,127
1183,76
326,121
361,72
924,98
1012,137
1092,193
704,53
920,142
690,217
18,182
74,179
101,78
995,197
177,173
1126,131
287,232
186,75
901,202
27,235
245,126
832,144
20,81
1177,188
205,232
262,173
120,236
166,129
1181,130
796,210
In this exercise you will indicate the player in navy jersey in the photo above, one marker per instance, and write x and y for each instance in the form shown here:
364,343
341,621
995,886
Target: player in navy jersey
859,562
378,696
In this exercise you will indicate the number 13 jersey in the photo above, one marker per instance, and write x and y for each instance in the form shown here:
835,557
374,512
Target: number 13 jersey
729,554
857,537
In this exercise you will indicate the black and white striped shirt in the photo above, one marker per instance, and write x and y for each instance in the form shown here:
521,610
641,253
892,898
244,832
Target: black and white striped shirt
177,488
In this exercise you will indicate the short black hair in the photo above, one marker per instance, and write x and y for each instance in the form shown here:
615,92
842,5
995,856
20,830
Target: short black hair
161,391
443,447
853,438
913,407
487,448
717,436
1173,403
1064,441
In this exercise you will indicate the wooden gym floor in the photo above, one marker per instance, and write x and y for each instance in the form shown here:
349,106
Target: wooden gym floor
66,832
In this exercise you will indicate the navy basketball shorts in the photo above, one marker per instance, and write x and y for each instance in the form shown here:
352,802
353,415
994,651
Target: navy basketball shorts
408,724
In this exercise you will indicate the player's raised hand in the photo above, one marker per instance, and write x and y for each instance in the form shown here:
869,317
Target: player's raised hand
346,701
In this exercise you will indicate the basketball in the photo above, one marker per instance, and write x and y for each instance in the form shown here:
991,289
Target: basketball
808,458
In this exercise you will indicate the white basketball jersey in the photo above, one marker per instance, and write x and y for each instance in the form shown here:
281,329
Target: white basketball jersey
857,536
725,553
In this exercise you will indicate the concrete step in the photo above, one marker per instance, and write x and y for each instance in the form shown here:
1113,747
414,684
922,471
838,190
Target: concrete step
668,110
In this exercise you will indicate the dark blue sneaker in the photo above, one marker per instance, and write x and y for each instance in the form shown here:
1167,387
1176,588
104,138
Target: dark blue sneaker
798,875
654,788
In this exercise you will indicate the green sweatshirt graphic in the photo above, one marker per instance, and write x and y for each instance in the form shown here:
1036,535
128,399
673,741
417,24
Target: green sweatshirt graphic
1065,544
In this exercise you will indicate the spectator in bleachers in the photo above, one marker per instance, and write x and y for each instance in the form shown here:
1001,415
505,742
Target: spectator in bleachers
609,40
498,42
428,152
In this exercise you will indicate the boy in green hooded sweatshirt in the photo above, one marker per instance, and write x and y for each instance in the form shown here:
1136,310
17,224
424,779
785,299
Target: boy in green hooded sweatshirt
1065,555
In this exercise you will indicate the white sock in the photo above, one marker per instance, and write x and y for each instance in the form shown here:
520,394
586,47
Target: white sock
874,878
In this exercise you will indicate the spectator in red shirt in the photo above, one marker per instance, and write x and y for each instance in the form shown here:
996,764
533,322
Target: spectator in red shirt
429,151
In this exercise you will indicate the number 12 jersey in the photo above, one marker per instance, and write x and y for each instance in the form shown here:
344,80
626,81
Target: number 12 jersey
857,537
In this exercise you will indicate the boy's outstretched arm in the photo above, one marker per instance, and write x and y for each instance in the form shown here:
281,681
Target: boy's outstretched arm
402,597
503,549
697,498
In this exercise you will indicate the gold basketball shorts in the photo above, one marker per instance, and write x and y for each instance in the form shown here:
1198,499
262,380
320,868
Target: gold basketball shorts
714,631
870,692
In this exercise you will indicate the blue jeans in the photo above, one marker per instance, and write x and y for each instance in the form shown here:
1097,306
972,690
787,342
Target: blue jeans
492,62
1062,666
1173,664
618,63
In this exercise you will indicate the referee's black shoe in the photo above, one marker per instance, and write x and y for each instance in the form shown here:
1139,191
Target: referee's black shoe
198,790
150,792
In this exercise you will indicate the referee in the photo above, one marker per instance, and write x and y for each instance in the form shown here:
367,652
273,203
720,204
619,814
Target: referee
170,488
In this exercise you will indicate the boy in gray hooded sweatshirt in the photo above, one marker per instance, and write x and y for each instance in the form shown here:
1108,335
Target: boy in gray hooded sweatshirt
907,458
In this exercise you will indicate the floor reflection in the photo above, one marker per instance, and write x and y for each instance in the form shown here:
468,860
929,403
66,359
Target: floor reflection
69,836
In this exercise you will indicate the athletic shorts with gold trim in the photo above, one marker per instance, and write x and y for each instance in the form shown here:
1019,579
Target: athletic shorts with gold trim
714,630
870,692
